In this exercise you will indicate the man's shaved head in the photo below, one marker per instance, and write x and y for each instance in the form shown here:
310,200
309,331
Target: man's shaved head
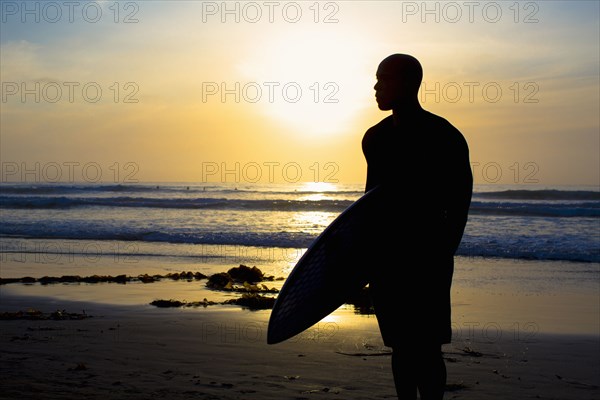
405,67
398,80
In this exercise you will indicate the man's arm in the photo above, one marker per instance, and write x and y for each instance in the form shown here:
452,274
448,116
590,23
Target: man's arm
367,148
460,191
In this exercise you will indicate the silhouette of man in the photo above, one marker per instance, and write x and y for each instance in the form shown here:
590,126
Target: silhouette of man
421,163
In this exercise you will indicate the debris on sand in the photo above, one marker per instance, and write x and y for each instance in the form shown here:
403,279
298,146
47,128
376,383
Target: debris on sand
79,367
220,281
251,301
473,353
454,387
188,276
167,303
122,279
32,314
247,274
249,279
177,303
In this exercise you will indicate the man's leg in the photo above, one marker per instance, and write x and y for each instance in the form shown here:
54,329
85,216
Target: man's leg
405,378
423,368
431,370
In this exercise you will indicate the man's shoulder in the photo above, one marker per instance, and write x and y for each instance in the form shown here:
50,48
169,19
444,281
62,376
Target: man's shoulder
383,124
378,127
442,127
434,119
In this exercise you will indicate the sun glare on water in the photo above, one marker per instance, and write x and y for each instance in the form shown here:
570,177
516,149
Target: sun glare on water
316,191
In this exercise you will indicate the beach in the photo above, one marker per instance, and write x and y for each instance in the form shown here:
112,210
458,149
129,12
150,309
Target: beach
81,264
512,338
165,167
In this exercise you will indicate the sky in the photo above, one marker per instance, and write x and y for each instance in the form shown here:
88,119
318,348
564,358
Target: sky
282,91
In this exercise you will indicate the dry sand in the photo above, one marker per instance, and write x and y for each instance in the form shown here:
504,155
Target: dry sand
221,353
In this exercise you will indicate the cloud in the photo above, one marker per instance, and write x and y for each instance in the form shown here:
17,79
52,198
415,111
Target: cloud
20,61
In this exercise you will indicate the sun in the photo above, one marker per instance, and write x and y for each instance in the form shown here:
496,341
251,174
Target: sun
312,81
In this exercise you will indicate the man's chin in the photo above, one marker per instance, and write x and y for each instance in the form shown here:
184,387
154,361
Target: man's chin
383,106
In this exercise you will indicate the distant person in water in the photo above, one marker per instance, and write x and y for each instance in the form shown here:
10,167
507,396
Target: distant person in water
421,163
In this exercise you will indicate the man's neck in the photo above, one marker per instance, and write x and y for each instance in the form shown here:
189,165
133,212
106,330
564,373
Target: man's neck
405,111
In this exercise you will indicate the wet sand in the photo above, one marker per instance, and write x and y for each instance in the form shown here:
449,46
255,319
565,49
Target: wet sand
140,352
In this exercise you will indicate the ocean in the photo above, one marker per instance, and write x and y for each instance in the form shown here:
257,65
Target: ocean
524,249
551,223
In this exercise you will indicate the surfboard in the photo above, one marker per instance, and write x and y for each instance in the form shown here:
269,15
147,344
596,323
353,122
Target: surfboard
328,273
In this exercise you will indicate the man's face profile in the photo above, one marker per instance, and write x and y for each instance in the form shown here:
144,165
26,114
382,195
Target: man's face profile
387,88
398,80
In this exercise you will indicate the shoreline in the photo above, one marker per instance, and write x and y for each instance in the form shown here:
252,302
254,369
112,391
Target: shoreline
140,352
500,296
521,330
